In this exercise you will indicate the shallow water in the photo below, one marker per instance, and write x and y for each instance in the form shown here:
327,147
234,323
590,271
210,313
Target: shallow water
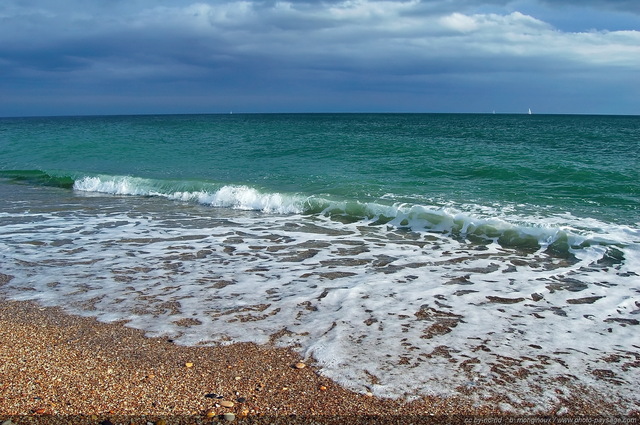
392,311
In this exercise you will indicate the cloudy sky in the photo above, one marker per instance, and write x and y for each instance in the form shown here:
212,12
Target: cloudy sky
71,57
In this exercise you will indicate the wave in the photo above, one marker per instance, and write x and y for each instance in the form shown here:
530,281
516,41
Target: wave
240,197
37,177
560,236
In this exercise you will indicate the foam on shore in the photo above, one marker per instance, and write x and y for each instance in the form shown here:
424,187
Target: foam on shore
381,309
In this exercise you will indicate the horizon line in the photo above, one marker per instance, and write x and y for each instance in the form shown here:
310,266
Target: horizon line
142,114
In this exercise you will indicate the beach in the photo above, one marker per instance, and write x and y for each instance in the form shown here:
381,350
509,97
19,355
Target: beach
56,364
57,367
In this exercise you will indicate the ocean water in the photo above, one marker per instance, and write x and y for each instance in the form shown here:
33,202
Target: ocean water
403,254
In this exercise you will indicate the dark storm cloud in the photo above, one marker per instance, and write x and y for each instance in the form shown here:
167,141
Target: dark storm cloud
186,56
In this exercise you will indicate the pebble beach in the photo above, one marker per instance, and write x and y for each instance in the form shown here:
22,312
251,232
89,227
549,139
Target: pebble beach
57,368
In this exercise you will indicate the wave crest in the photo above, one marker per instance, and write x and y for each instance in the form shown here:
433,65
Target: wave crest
561,235
228,196
37,177
558,236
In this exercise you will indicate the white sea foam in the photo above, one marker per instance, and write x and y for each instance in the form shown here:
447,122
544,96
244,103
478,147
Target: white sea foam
120,185
239,196
483,221
388,308
247,198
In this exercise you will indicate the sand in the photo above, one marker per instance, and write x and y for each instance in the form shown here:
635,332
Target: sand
58,368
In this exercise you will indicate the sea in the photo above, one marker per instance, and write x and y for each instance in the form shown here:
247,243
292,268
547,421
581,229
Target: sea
403,255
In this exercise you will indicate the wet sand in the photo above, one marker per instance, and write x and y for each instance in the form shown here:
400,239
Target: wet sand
60,368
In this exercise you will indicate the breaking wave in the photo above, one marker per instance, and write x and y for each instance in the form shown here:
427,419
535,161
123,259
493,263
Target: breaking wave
558,235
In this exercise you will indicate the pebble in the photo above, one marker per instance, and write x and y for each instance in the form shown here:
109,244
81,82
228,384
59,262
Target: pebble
188,364
229,417
226,403
210,413
300,365
323,388
7,422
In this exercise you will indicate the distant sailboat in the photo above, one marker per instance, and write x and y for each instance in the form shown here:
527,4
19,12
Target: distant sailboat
529,111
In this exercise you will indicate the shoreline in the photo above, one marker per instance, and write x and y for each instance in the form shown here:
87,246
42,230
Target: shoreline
57,366
69,365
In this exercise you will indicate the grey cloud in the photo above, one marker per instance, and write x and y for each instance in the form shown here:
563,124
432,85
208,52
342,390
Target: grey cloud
300,54
632,6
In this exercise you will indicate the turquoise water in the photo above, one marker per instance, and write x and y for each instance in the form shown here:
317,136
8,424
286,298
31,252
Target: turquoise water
369,242
585,165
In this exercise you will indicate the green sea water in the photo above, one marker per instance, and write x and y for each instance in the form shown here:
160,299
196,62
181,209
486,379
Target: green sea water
583,165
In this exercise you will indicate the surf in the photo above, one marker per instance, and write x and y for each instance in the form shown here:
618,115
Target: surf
559,235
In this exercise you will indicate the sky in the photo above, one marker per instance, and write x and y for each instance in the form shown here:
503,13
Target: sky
94,57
